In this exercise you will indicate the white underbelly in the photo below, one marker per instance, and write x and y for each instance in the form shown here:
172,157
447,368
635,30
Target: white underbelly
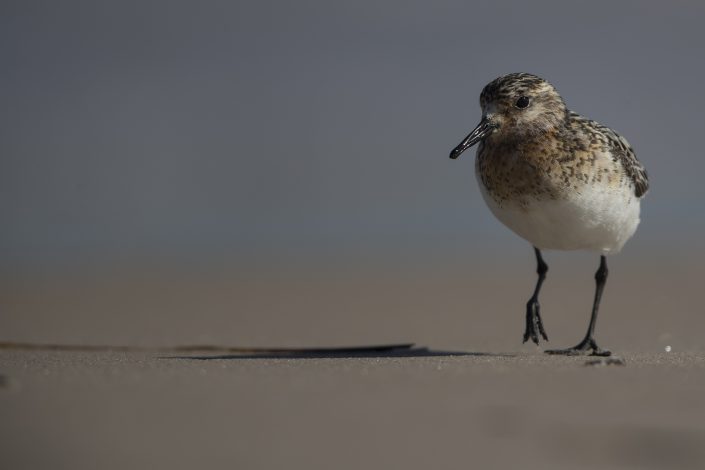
597,219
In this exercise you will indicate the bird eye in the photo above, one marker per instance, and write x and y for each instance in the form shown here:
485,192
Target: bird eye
522,102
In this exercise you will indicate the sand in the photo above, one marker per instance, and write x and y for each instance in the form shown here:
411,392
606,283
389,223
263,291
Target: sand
475,398
145,410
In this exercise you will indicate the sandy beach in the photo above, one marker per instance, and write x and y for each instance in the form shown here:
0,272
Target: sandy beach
122,410
469,394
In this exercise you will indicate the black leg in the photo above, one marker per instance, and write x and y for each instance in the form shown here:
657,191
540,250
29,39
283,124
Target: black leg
588,344
534,325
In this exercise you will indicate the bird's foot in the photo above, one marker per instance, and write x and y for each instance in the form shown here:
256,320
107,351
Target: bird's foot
534,325
587,347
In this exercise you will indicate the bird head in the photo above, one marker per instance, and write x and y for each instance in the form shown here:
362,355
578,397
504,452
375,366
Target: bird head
517,106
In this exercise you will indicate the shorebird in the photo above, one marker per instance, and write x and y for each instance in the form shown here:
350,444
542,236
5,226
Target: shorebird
556,179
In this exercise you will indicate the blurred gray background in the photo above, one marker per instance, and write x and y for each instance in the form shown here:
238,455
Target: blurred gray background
273,172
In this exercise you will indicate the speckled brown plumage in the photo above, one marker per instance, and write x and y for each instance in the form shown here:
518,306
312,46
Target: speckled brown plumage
560,152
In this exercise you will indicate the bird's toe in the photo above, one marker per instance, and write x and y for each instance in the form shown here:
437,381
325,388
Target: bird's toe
534,325
587,347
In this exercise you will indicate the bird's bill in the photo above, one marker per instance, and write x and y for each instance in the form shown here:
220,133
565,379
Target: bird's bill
480,132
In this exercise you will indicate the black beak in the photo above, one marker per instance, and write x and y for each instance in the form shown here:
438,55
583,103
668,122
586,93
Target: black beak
480,132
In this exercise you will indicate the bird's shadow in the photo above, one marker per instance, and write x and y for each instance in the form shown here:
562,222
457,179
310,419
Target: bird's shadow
386,351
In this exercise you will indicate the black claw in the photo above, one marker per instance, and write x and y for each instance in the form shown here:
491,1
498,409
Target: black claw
534,324
587,347
538,323
542,331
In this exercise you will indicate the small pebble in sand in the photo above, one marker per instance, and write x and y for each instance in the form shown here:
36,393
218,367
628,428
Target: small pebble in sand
668,349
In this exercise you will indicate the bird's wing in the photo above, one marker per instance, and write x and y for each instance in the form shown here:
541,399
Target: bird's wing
623,153
632,166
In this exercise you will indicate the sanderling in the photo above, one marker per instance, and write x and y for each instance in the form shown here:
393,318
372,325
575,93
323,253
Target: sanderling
557,179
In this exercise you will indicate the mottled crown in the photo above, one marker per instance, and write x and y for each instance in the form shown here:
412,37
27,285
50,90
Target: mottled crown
521,105
511,85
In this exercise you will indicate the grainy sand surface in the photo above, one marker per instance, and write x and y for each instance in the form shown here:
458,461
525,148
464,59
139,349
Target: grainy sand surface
117,410
497,404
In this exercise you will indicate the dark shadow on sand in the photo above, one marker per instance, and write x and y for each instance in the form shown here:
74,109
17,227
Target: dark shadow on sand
235,352
404,350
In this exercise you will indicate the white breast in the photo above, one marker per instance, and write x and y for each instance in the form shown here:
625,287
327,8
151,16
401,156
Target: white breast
598,218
